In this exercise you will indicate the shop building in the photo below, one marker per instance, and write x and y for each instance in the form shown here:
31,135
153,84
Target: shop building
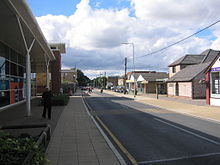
212,80
23,53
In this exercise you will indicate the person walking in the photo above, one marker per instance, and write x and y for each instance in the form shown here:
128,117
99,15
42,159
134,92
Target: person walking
47,97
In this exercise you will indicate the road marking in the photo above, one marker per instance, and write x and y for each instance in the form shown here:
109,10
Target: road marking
114,150
194,134
179,158
122,148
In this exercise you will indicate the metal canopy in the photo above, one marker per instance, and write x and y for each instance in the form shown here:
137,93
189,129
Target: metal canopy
11,35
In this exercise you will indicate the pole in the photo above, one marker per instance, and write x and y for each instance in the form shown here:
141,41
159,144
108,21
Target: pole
134,70
125,78
156,90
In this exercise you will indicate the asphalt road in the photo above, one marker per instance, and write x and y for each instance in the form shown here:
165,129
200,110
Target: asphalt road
157,136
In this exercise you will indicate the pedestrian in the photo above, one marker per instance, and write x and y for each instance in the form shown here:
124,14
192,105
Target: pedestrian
61,91
47,97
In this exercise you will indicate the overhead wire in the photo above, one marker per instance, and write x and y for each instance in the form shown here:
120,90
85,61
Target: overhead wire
177,42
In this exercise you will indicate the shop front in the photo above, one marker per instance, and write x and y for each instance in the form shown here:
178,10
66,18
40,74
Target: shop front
215,83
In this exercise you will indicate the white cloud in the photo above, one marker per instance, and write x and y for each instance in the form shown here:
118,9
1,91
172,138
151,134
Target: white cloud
93,36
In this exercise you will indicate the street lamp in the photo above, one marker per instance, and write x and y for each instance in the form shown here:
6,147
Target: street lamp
131,43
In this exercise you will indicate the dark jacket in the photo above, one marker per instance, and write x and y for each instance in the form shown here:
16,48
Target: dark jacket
47,97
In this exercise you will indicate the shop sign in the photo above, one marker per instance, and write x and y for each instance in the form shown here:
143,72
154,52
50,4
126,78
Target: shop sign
215,69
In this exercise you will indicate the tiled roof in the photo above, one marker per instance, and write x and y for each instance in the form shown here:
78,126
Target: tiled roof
189,59
155,75
188,73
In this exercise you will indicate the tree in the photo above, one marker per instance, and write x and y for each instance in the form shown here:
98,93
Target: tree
82,79
100,82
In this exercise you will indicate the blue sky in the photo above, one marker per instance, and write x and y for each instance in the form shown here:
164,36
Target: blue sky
68,7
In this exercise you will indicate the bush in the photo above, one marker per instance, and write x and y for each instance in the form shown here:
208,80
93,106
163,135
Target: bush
60,100
13,150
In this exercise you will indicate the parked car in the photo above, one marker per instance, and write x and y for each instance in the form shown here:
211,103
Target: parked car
120,89
113,88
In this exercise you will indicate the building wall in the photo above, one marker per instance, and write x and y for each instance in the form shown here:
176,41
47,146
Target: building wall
120,82
56,72
171,89
41,82
199,88
113,80
68,76
151,88
178,68
185,89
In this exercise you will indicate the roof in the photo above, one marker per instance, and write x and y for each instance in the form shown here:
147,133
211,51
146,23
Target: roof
188,73
154,76
210,55
58,46
191,71
189,59
11,34
68,70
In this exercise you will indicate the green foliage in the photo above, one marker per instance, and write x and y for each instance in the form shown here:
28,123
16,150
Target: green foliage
13,150
60,100
82,79
100,82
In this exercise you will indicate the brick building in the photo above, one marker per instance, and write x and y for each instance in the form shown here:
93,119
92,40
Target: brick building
54,69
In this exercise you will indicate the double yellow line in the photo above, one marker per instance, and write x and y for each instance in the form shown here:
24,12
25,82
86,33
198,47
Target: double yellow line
122,148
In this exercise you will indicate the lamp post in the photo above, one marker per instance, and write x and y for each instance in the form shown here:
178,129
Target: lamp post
131,43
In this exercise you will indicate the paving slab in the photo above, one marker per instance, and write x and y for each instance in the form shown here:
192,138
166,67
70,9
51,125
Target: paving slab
76,140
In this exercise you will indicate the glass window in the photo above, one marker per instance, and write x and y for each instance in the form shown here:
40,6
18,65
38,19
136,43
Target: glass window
13,69
174,69
215,83
20,71
2,66
7,67
21,60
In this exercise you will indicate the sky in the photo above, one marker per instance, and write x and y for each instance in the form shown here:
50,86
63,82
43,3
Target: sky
94,30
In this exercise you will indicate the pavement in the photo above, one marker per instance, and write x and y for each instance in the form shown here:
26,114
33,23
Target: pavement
76,140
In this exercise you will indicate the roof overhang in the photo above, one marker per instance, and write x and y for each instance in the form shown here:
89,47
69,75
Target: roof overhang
58,46
10,34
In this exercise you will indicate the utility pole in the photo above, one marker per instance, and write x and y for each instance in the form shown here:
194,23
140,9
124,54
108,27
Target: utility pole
125,78
104,81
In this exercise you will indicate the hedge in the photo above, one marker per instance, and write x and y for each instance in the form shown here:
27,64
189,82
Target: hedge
13,150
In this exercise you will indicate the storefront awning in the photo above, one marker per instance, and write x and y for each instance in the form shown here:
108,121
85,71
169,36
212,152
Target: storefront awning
10,12
129,81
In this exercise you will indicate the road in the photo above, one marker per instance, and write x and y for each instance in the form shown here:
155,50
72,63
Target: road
157,136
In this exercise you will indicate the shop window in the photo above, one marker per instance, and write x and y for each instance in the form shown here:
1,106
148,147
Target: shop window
215,83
